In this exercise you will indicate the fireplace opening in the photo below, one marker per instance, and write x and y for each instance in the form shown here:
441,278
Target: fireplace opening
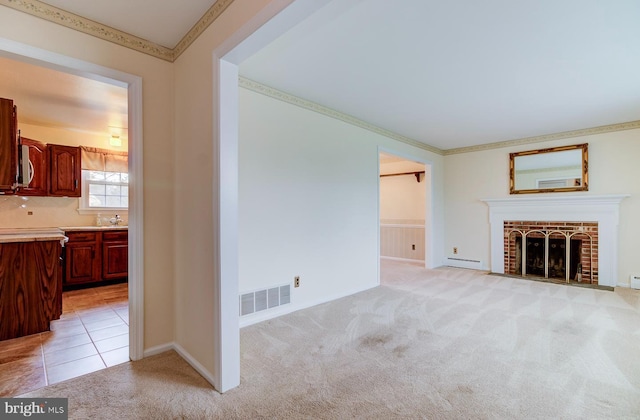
539,249
556,260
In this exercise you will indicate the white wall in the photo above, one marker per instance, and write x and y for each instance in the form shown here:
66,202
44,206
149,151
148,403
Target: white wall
195,153
469,177
308,201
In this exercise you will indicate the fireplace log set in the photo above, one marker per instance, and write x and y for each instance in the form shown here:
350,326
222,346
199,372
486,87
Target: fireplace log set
557,258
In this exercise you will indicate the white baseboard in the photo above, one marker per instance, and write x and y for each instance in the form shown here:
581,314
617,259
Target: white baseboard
159,349
195,364
185,355
382,257
287,309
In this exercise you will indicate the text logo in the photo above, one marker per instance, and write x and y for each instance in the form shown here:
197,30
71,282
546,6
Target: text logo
34,408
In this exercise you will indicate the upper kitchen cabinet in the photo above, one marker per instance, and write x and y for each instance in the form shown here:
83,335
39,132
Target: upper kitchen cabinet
65,170
8,146
38,169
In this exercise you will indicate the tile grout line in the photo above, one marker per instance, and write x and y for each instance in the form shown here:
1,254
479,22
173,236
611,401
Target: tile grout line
44,362
93,343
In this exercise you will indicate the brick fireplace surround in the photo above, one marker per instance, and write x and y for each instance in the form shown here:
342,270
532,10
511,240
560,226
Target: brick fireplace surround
586,233
554,211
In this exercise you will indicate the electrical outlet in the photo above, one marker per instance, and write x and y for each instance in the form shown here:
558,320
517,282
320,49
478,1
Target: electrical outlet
455,249
296,281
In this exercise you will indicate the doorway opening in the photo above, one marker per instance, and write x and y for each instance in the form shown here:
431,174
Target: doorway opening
403,190
125,300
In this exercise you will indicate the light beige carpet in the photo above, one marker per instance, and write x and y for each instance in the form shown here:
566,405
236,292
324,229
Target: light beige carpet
444,343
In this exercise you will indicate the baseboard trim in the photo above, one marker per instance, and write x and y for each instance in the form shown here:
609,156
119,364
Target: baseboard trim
287,309
195,364
185,355
382,257
152,351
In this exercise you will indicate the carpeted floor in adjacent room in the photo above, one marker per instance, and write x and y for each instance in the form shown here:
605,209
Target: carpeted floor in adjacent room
443,343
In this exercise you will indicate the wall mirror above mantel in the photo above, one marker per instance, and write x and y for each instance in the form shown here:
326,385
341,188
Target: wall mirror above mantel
557,169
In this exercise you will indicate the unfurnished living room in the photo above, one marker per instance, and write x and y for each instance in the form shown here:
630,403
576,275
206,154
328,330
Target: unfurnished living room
333,209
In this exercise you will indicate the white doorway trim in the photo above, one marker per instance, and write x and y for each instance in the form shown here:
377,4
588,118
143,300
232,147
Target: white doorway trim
44,58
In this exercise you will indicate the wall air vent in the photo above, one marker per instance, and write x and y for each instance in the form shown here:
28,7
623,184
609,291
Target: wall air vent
264,299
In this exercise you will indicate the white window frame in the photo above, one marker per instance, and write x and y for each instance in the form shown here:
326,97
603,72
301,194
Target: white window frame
83,201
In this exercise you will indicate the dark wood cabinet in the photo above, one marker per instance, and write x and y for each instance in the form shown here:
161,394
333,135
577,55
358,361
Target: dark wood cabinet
30,287
65,171
82,257
115,255
8,146
95,256
39,168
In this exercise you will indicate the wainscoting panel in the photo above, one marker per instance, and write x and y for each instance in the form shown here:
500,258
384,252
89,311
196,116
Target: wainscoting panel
402,239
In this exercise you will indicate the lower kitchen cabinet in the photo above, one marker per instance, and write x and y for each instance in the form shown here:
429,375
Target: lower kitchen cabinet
115,255
30,286
96,256
82,253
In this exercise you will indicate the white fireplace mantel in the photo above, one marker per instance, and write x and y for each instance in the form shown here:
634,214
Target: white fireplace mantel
603,209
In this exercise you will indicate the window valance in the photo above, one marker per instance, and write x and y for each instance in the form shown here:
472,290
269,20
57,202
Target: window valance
96,159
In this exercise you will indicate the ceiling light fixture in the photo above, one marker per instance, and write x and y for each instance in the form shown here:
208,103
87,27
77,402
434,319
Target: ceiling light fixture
115,140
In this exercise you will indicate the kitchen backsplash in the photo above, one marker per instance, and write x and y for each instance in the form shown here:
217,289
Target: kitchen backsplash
27,212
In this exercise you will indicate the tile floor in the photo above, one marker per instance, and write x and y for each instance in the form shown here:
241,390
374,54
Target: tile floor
91,334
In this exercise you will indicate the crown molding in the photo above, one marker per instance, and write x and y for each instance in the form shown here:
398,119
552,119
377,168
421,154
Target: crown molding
107,33
207,19
631,125
87,26
312,106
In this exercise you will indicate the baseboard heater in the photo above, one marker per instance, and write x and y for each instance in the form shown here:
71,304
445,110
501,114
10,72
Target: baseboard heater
264,299
464,263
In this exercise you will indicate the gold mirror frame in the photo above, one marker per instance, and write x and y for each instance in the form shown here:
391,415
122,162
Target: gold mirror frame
577,184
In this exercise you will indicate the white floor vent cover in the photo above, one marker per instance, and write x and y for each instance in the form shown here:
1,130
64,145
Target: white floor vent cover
264,299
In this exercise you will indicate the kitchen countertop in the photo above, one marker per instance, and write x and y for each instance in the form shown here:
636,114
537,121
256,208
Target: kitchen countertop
10,235
32,235
83,228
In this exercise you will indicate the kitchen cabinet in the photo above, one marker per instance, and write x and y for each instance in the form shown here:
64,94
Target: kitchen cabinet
94,256
39,168
82,258
115,255
30,287
8,146
65,171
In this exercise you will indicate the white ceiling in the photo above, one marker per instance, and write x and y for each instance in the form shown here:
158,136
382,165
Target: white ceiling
460,73
55,99
449,74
